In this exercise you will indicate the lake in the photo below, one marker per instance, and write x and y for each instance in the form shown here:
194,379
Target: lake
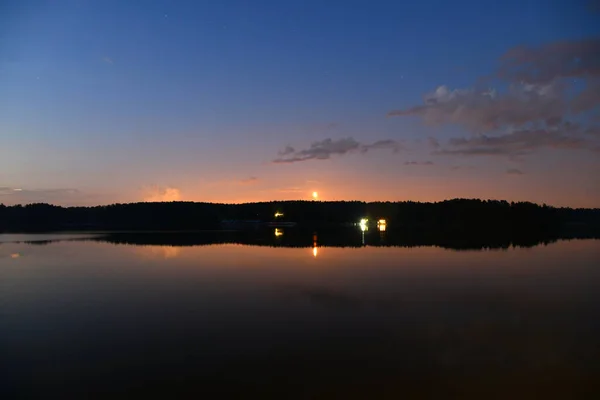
169,315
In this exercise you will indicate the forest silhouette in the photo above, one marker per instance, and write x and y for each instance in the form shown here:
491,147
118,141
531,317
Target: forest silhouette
424,221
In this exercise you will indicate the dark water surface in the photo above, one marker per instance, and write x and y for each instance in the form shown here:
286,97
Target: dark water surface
97,319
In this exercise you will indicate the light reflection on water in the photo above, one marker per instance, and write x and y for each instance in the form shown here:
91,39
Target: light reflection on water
86,316
152,251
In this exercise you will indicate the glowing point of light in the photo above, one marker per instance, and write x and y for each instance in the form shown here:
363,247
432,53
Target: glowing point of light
278,232
364,224
381,225
315,251
278,214
15,255
315,195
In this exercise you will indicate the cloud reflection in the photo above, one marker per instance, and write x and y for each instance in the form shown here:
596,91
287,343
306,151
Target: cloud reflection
165,252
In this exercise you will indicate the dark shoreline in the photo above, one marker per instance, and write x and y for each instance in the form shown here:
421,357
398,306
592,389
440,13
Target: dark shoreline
450,218
307,238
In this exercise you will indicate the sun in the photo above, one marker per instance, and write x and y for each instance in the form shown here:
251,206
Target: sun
315,195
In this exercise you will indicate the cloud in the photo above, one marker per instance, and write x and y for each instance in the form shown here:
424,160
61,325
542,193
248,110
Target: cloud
248,181
543,64
382,144
516,143
483,111
542,89
108,60
324,149
286,151
514,171
159,194
418,163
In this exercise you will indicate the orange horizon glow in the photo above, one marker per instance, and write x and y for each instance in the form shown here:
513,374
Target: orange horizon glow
425,189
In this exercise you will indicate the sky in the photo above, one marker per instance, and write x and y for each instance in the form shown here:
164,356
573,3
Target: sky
237,101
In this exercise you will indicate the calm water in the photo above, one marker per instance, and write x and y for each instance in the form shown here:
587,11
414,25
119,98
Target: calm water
91,318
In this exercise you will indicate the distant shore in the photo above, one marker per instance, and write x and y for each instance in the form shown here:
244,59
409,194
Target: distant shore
457,216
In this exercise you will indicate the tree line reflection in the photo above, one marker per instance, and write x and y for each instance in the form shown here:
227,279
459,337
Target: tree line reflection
295,238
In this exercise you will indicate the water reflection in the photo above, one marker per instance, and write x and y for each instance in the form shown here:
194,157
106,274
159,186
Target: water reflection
351,237
154,251
259,321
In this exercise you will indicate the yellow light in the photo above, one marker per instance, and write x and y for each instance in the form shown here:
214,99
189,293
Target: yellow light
381,225
381,228
315,251
15,255
364,224
278,232
381,222
278,214
315,195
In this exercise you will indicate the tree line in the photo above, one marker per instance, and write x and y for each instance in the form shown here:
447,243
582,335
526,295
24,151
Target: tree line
455,215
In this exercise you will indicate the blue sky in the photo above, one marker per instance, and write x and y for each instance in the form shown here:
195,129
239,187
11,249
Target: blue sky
104,101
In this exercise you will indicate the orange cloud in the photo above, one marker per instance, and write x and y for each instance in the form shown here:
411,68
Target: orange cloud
157,194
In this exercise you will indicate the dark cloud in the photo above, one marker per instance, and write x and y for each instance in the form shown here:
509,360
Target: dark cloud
514,171
519,142
382,144
248,181
543,64
568,136
287,150
483,111
324,149
418,163
476,151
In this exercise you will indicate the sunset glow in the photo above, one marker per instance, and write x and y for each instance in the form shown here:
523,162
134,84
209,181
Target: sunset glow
145,115
300,199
